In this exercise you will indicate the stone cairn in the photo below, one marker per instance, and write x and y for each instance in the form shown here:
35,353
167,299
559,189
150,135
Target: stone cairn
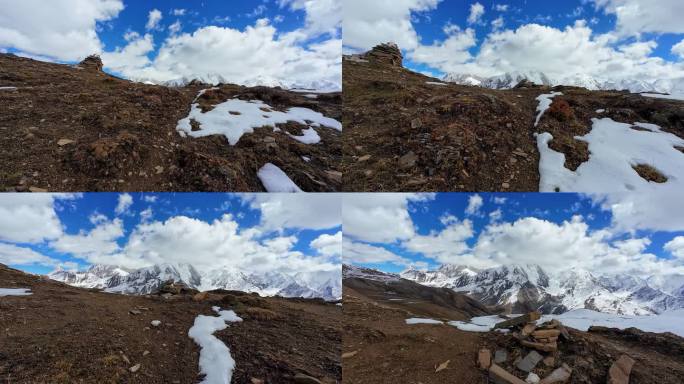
542,342
92,62
386,53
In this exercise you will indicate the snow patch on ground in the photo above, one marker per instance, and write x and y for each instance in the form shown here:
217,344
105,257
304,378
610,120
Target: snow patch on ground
582,319
275,180
659,96
309,136
477,324
8,88
236,117
600,110
416,320
15,292
435,83
215,361
311,96
614,148
545,101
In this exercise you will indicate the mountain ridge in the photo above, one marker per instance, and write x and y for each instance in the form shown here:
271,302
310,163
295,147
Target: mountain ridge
522,287
510,80
145,280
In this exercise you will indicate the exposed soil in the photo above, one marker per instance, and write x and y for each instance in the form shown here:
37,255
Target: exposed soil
379,347
62,334
75,128
649,173
402,134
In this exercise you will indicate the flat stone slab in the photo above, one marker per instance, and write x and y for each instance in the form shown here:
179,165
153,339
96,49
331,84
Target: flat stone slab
530,361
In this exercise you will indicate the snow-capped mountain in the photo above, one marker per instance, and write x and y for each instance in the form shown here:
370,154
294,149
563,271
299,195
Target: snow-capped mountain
97,276
511,79
354,271
525,287
324,284
216,79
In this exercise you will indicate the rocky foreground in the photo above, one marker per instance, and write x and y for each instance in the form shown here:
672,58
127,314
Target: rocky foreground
76,128
63,334
405,131
381,346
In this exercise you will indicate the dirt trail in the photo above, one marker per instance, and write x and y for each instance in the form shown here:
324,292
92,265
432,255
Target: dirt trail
75,128
387,350
403,134
62,334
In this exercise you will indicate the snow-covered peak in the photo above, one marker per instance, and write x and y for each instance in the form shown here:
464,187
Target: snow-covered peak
564,290
323,284
511,79
216,79
353,271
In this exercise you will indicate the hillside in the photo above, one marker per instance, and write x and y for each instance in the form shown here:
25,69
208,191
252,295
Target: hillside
391,337
76,128
64,334
409,132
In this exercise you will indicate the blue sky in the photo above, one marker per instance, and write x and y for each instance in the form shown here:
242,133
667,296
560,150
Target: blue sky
268,42
101,227
235,14
594,37
553,230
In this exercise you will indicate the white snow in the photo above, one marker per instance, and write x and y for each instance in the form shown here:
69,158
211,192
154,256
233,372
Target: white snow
477,324
275,180
434,83
155,323
311,96
582,319
306,158
8,88
417,320
614,148
215,361
309,136
545,101
15,291
236,117
600,110
659,96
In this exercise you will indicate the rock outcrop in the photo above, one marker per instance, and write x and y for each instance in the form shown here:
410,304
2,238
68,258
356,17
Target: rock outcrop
386,53
92,62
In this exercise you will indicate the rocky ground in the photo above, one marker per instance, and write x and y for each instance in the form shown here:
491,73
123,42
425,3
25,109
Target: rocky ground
403,134
76,128
62,334
379,347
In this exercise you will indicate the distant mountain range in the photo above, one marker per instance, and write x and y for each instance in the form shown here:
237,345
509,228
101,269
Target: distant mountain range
524,287
326,285
511,79
521,288
216,79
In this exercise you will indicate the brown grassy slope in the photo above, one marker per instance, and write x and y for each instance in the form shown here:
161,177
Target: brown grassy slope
62,334
71,129
402,134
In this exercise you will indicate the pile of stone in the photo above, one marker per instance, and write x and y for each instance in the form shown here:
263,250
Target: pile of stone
92,62
539,355
386,53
